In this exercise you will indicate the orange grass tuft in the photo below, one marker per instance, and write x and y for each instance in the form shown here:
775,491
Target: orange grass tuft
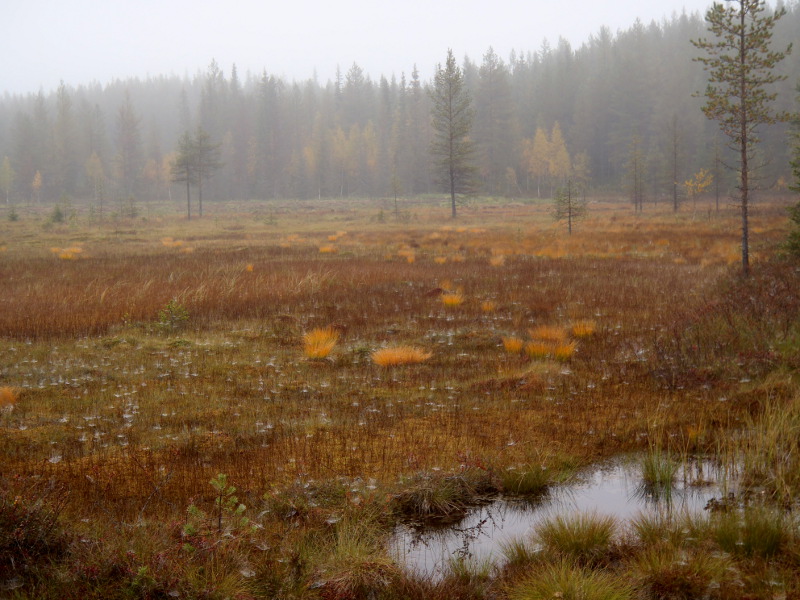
538,349
8,397
452,299
564,352
548,333
513,345
400,355
320,342
408,254
488,306
583,329
168,242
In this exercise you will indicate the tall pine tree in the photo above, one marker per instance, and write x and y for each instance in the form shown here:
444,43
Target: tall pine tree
451,119
741,68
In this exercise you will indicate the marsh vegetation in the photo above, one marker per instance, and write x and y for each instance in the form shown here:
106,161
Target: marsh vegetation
246,405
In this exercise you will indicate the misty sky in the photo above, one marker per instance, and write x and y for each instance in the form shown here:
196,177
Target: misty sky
45,41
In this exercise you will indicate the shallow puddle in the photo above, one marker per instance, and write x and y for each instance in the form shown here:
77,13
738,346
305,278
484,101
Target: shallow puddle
612,488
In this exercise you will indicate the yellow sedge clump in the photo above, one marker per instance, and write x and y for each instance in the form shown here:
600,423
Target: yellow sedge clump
488,306
440,260
498,260
319,343
249,268
564,352
548,333
327,249
8,397
583,329
400,355
452,299
513,345
538,349
67,253
408,254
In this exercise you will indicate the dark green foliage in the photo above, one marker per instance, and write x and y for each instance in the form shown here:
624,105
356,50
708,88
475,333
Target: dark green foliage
57,215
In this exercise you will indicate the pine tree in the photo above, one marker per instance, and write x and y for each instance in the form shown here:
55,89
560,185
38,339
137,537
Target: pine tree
451,119
129,160
195,161
183,168
741,66
634,173
207,157
569,205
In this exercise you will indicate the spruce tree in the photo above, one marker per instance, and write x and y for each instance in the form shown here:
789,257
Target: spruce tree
451,119
569,206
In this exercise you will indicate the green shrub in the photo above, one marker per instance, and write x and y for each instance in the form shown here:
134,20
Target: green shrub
173,317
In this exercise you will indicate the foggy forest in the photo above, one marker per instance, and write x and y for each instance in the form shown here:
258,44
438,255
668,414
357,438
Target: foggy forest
634,93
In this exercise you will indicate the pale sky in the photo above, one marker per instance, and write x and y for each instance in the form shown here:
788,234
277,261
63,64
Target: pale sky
78,41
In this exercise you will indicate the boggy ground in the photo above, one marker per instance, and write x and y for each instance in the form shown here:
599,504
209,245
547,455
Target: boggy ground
142,358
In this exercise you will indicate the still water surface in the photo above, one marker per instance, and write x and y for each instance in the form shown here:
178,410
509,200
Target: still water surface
613,488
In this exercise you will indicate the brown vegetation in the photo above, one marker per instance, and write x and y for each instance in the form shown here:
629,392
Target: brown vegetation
135,415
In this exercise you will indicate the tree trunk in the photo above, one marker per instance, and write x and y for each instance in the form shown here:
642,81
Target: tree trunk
188,201
743,122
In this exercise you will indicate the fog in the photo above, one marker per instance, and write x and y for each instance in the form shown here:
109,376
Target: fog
46,41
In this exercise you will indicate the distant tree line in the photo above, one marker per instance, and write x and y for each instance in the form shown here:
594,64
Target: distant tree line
620,114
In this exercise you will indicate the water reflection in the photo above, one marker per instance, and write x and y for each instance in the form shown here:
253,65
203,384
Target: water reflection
614,488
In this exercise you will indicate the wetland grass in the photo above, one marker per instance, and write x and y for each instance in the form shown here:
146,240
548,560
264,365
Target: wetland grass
135,423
